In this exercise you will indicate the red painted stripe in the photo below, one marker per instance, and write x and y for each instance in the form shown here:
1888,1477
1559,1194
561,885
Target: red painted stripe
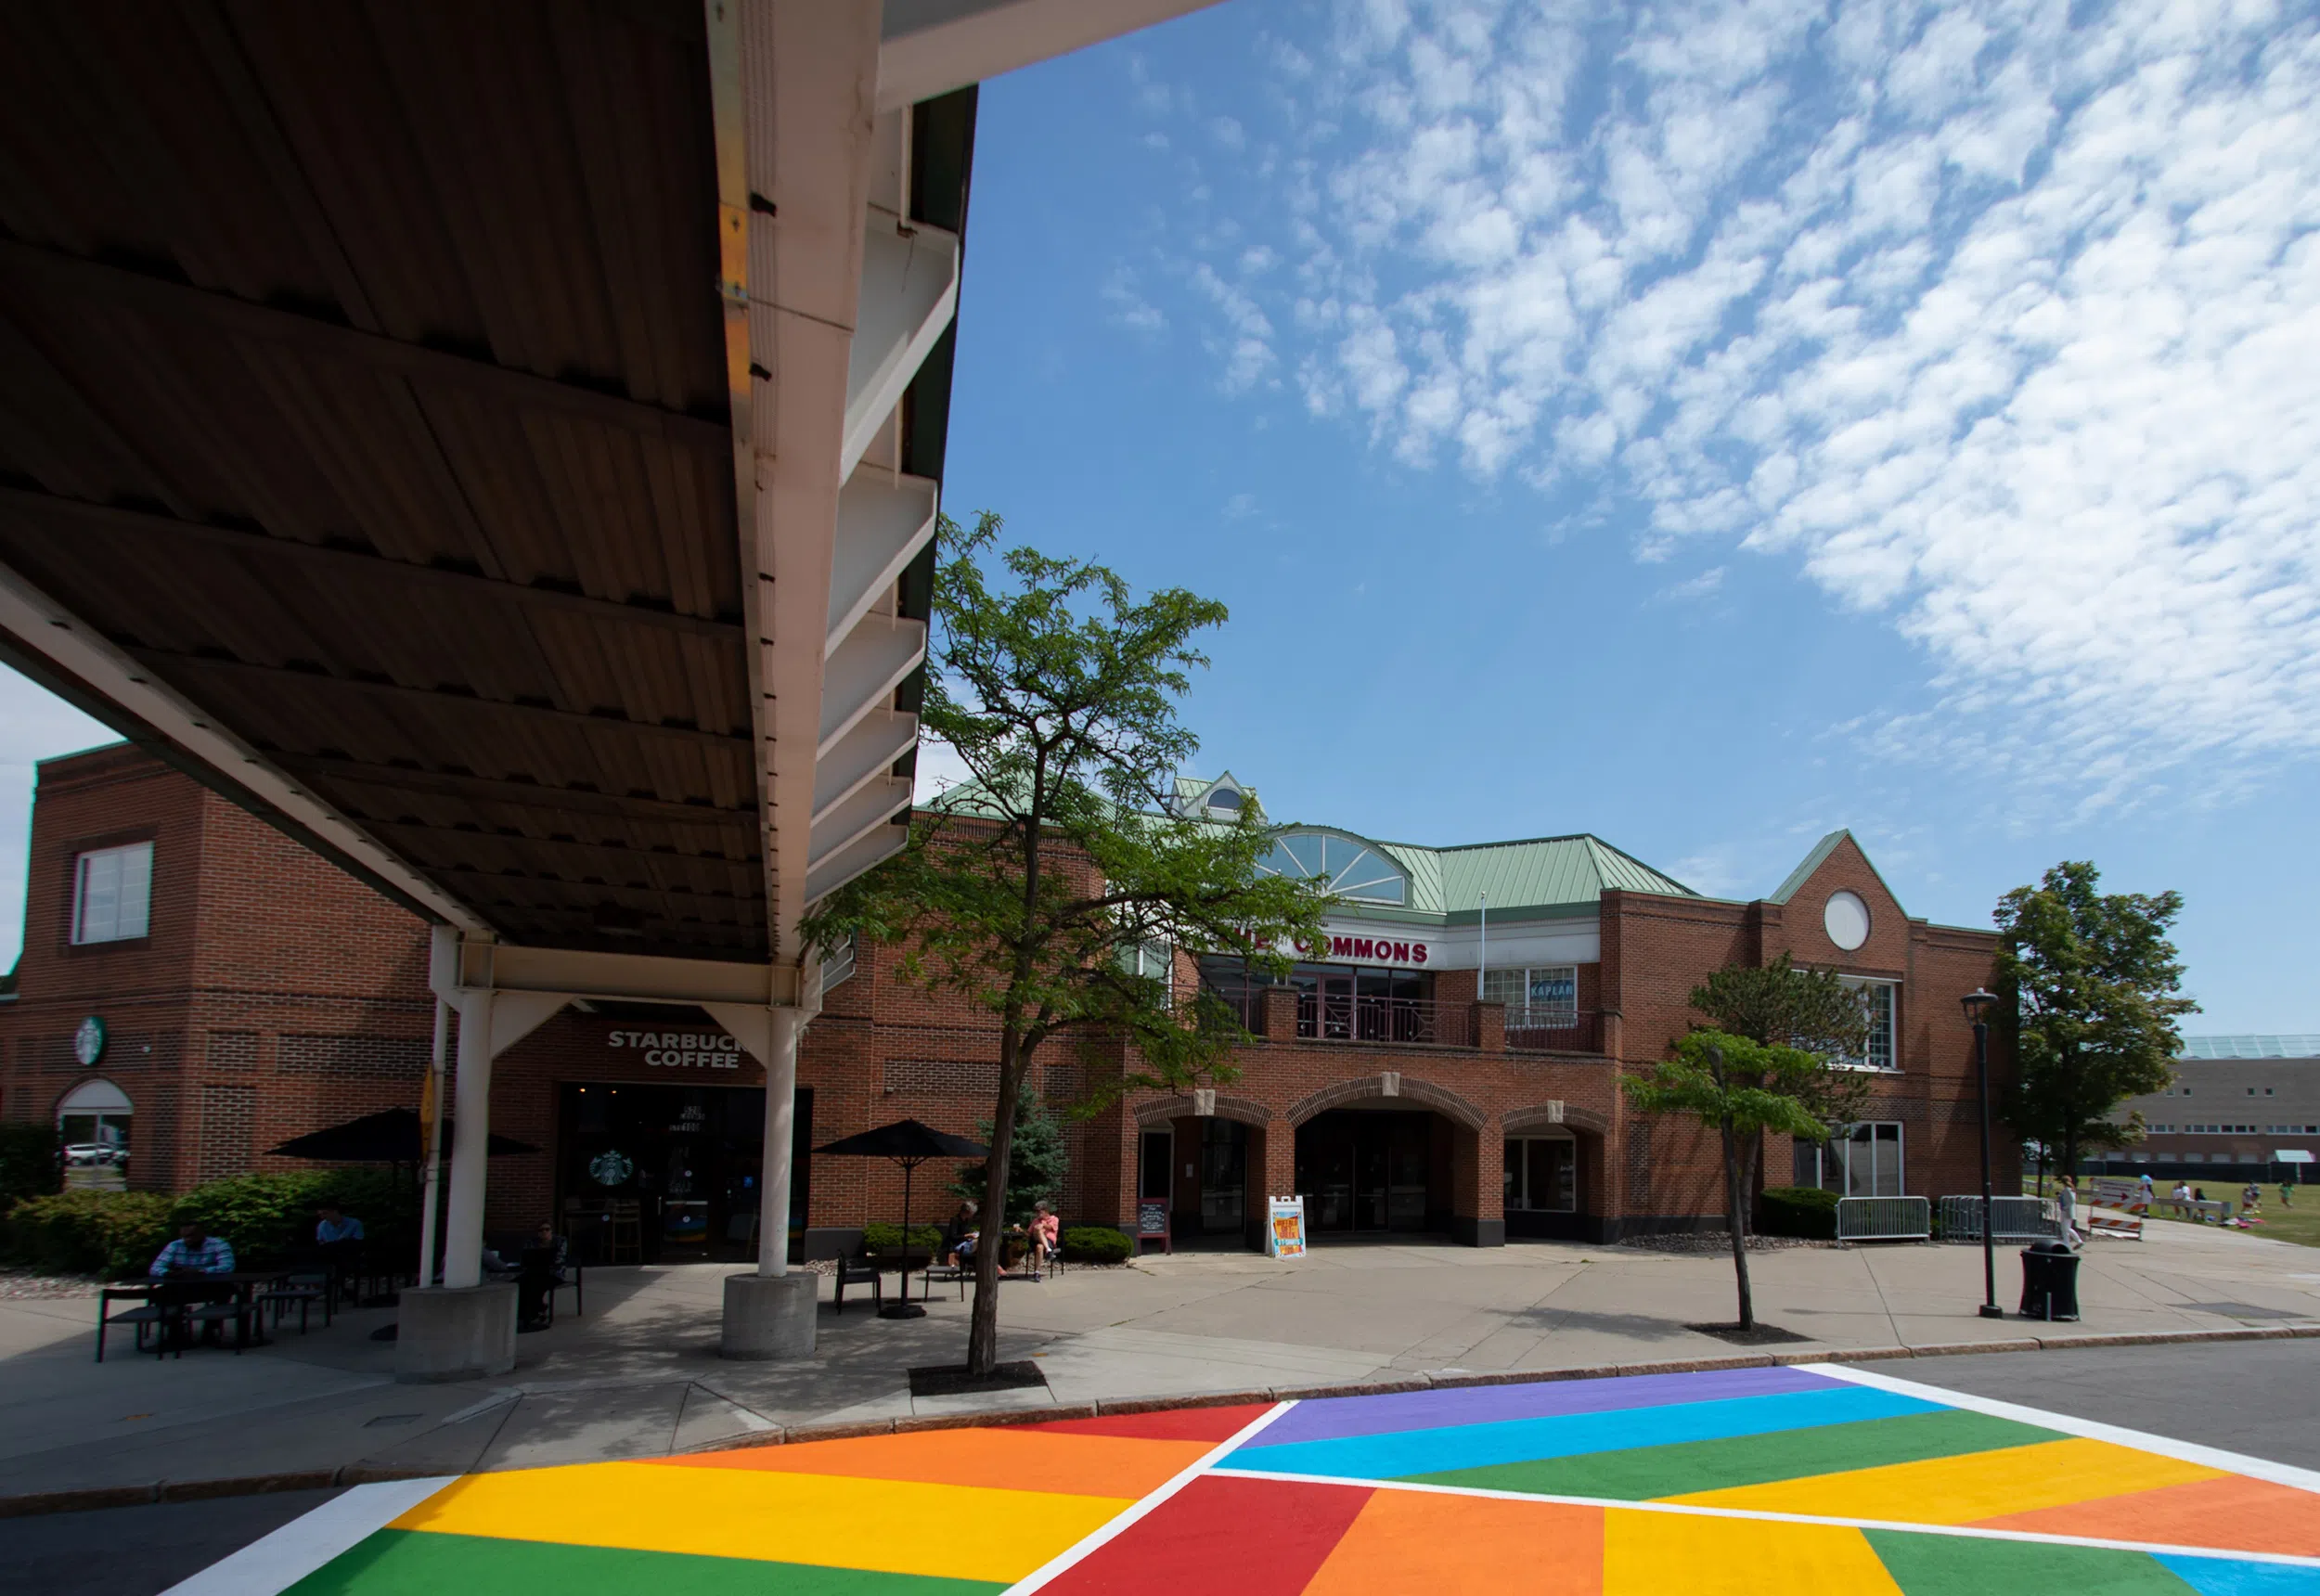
1174,1424
1255,1538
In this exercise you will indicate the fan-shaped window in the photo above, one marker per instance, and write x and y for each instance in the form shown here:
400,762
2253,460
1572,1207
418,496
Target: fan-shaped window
1350,867
1226,799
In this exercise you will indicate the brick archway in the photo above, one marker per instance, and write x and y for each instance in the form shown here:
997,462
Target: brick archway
1542,1117
1247,1111
1418,1093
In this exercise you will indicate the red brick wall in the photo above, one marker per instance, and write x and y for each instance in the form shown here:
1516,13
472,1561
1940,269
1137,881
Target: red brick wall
273,994
276,994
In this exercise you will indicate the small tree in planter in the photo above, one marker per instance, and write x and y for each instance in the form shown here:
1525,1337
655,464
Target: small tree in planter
1033,892
1739,1089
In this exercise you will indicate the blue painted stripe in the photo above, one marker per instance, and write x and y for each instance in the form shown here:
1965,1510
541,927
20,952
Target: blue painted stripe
2230,1576
1411,1452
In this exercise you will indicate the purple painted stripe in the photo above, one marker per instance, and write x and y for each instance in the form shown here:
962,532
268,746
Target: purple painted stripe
1331,1418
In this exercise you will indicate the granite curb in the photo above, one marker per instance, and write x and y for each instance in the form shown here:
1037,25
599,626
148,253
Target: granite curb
97,1497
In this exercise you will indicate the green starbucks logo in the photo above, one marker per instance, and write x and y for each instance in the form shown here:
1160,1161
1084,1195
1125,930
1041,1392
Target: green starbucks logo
88,1042
611,1167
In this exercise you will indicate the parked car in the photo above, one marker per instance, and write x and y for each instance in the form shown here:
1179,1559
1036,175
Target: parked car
84,1154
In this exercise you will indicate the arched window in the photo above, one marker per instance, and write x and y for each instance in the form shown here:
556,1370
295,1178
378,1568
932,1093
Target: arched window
1350,867
93,1121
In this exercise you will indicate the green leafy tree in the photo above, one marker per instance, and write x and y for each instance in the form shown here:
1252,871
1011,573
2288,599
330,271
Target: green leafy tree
1811,1010
2091,985
1031,891
1740,1089
1037,1161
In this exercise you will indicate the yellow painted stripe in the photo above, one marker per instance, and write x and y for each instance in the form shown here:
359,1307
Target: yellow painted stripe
1963,1490
890,1526
1657,1553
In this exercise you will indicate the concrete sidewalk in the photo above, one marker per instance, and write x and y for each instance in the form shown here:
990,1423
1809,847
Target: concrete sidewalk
639,1376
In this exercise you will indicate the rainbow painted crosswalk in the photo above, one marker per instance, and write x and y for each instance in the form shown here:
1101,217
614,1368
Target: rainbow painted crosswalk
1781,1481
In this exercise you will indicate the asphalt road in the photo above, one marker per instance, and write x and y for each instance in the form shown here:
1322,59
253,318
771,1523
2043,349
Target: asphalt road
2260,1398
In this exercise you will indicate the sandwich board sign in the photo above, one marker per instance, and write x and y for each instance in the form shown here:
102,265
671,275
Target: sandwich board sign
1284,1227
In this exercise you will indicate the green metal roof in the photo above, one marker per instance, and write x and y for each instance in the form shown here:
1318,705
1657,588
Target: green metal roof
1541,877
1813,860
1540,874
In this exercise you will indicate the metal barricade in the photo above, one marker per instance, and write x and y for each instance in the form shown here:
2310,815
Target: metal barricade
2018,1219
1884,1218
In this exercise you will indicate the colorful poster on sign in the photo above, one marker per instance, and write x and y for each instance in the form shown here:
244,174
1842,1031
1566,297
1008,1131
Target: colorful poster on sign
1284,1228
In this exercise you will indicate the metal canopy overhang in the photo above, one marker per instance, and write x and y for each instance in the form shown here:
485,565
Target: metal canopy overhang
501,445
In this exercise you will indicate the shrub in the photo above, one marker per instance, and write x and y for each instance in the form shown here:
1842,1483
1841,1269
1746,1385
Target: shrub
1797,1210
1096,1244
267,1218
110,1233
30,1165
882,1237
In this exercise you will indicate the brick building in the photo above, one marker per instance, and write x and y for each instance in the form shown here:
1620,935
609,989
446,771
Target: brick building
2238,1108
1447,1065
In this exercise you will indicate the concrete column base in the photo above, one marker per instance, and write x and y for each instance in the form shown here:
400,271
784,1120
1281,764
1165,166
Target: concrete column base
769,1316
456,1332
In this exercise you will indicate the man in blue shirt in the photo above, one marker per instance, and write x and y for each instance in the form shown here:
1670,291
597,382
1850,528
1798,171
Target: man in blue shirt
336,1225
193,1252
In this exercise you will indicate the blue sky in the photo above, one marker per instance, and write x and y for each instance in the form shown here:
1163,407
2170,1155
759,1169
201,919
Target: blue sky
1704,426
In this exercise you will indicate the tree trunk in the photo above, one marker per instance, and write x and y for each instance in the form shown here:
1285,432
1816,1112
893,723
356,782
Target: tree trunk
1736,1222
983,1323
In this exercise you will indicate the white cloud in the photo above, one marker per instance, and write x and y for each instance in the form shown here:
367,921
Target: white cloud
2002,320
1247,352
1127,306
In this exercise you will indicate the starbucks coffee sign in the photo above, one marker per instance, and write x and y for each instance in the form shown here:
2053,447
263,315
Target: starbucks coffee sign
88,1042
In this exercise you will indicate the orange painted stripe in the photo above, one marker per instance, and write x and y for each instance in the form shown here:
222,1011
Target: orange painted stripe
1406,1541
1004,1459
2234,1512
1169,1424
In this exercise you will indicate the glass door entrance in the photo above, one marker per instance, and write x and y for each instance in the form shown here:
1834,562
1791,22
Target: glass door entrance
1366,1172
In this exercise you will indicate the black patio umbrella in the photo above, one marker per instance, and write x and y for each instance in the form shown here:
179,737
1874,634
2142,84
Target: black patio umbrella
909,1143
391,1135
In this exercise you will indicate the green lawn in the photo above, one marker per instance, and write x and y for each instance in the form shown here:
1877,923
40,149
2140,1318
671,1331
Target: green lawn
2299,1224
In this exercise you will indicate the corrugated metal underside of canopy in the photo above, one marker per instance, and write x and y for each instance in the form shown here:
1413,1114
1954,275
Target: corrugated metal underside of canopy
368,443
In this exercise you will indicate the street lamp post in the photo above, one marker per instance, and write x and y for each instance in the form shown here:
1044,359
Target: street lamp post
1976,1006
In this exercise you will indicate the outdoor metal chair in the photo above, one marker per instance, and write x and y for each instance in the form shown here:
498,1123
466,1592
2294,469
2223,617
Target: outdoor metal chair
858,1272
150,1317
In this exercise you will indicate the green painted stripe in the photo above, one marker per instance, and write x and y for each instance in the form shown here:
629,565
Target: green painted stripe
417,1563
1643,1473
1954,1565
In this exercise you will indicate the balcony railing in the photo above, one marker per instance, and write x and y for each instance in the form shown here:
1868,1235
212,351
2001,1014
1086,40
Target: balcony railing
1419,1021
1547,1029
1246,1005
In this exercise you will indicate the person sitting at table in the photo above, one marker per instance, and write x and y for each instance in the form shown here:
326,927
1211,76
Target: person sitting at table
962,1234
539,1271
194,1251
334,1225
1046,1232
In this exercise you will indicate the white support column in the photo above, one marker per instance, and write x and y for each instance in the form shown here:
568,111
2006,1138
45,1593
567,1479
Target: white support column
432,1192
773,1210
769,1313
463,1243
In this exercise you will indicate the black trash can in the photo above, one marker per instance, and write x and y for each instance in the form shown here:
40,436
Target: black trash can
2050,1281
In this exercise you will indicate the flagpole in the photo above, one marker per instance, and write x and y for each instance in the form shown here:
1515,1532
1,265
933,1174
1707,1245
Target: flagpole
1482,956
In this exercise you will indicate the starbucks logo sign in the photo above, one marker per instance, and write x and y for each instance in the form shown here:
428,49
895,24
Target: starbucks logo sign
88,1042
611,1167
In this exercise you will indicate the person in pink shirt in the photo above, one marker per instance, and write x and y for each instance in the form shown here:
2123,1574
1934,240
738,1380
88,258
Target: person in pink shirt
1046,1231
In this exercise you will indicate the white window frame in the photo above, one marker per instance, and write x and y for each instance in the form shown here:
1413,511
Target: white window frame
1832,1160
1891,1020
1523,979
126,913
1156,961
1517,1196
